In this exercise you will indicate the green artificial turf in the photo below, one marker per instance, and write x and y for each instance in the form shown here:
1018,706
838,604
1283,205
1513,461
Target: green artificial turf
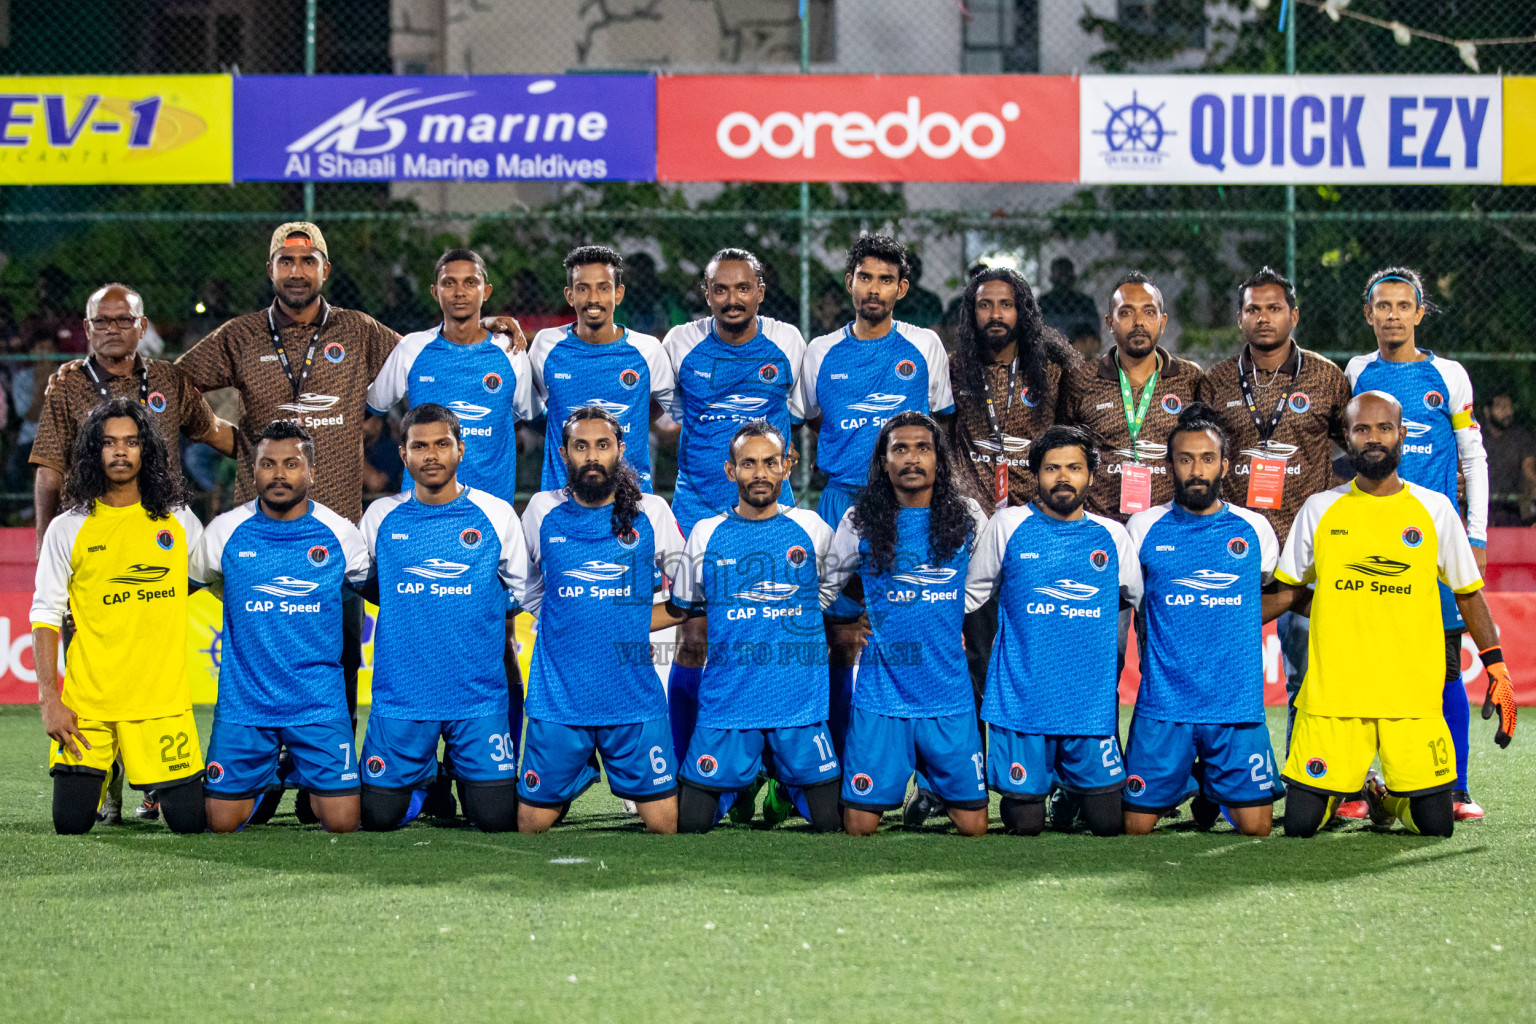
597,921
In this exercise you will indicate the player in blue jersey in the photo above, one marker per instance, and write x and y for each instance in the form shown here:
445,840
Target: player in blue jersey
731,367
903,549
1061,576
280,564
1441,440
601,554
596,361
851,382
444,558
754,575
1205,564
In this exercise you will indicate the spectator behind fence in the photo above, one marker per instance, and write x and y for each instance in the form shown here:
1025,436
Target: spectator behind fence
1064,307
1085,338
53,317
919,307
1511,464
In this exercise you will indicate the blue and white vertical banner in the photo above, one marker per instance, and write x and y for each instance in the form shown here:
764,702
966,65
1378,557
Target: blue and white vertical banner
1284,129
441,128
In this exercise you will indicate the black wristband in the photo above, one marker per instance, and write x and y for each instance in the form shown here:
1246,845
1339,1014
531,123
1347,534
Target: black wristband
1492,656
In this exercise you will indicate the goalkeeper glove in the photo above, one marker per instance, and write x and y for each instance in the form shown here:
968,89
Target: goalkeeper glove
1501,695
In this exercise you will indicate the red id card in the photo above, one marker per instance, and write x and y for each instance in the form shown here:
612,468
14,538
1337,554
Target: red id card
1135,488
1266,482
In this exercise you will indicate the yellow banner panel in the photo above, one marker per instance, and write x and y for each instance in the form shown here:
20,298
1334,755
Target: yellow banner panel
1520,131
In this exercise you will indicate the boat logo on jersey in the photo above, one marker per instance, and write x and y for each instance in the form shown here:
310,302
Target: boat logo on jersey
745,405
469,538
795,555
374,766
1271,450
214,771
491,382
1317,767
1011,445
1376,565
1099,559
618,409
1433,400
309,401
438,569
1145,451
767,591
925,576
707,765
531,781
1017,773
628,378
878,401
286,586
1300,402
597,571
1412,428
1237,547
335,352
465,411
156,402
319,555
1413,536
165,540
1135,784
628,539
1068,590
863,783
1208,579
906,369
139,574
767,373
1173,405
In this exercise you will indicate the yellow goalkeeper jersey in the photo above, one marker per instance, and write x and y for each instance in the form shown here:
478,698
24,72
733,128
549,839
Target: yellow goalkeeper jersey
124,575
1377,643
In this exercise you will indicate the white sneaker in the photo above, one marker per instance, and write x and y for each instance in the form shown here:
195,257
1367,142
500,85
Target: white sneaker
110,812
629,807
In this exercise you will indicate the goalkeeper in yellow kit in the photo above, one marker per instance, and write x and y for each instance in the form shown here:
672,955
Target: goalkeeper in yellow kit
1373,550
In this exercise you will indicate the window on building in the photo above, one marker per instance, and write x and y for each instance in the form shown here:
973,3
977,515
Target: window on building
1179,22
1001,36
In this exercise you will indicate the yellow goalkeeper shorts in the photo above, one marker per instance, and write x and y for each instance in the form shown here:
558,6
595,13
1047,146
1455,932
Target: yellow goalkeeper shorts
156,751
1332,755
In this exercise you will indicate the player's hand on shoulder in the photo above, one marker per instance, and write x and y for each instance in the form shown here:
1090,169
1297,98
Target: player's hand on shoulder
510,327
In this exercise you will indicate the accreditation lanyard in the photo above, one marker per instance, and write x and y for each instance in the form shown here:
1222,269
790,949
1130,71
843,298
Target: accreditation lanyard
101,385
282,352
1000,463
1135,478
1265,428
1266,473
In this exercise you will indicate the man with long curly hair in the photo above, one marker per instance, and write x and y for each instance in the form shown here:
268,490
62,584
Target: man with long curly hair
118,558
904,549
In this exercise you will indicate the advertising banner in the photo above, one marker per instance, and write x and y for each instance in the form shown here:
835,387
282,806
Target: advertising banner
866,128
1520,131
119,130
1302,129
442,128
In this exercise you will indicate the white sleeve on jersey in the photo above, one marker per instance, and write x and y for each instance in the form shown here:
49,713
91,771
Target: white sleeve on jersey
1457,567
941,399
1137,528
526,403
205,564
193,527
679,342
985,573
1356,366
50,587
663,380
1469,446
669,542
1269,544
844,561
533,517
1130,562
538,352
373,521
823,546
688,585
1298,561
392,384
512,566
810,366
789,341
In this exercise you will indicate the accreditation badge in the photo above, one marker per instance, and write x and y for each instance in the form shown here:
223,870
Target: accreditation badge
1266,482
1135,488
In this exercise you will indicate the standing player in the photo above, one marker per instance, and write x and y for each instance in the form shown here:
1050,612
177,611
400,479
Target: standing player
118,556
444,557
753,574
1061,575
1440,441
1204,563
280,565
601,553
904,549
595,361
1375,549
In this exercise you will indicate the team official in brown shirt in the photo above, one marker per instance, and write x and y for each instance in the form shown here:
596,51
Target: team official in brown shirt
1135,385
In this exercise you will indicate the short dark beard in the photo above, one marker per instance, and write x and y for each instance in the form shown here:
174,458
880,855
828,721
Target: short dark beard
772,499
282,507
1375,470
1186,499
591,493
1063,506
995,346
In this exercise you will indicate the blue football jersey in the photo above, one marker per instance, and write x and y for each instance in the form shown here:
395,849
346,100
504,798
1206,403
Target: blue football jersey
621,376
591,592
444,572
914,665
719,387
1060,584
281,582
487,385
856,385
1202,576
759,582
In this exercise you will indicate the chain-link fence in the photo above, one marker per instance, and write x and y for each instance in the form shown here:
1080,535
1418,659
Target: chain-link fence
197,252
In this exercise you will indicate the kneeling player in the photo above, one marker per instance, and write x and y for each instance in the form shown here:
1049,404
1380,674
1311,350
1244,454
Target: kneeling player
908,539
1375,549
445,556
754,574
1062,575
599,552
280,564
118,556
1205,563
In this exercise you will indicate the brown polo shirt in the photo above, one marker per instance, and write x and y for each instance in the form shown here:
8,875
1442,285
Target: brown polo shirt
174,405
331,406
1312,423
1094,402
1022,420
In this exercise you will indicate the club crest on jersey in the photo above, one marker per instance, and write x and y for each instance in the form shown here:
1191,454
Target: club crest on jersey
1433,400
374,766
795,555
767,373
531,781
906,369
319,554
1099,559
1237,547
863,783
1135,784
1413,536
335,352
629,378
1317,767
156,402
629,538
1300,402
707,765
214,771
469,538
1028,402
491,382
165,540
1017,773
1173,405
